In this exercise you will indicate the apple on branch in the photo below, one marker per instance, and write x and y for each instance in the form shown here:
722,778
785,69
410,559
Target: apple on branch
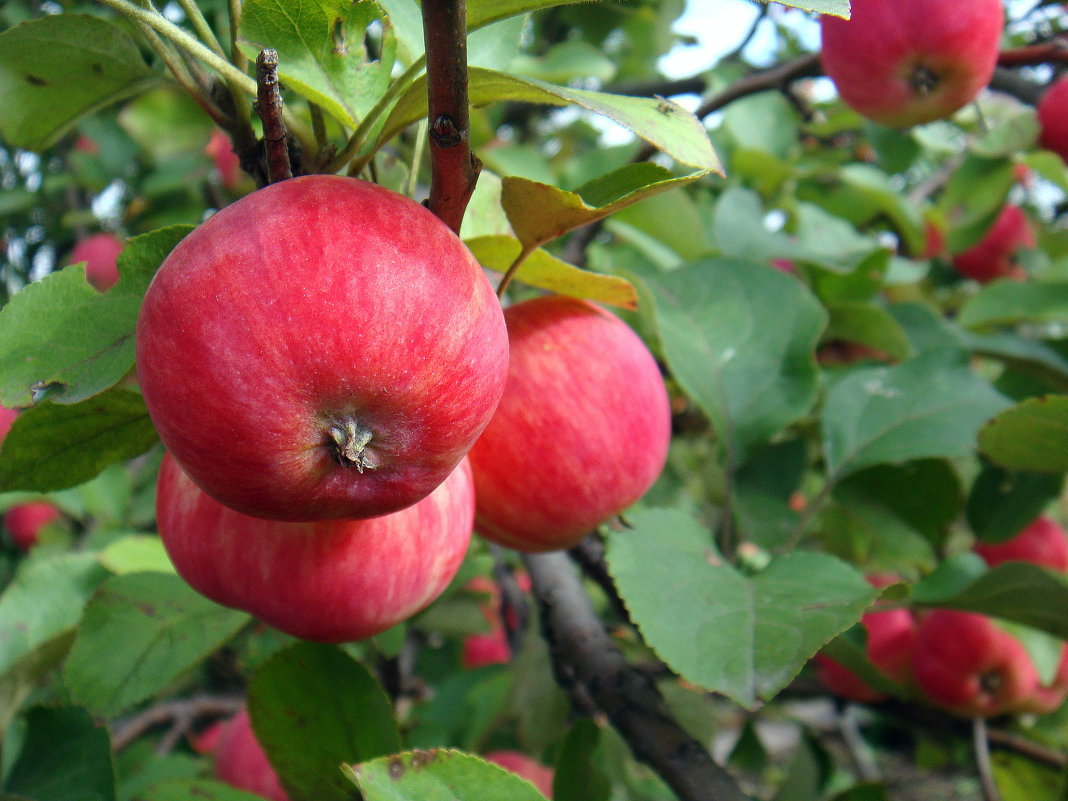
994,256
1043,542
238,759
321,348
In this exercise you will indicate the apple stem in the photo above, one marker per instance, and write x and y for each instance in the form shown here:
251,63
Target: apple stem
981,746
349,440
269,107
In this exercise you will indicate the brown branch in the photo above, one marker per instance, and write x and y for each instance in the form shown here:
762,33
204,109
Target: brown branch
586,659
269,107
1055,51
177,715
454,168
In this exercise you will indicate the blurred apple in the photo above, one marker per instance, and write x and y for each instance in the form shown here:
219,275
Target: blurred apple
99,252
238,758
994,256
521,765
25,521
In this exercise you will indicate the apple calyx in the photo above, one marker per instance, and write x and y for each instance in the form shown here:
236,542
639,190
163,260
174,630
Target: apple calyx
349,438
924,80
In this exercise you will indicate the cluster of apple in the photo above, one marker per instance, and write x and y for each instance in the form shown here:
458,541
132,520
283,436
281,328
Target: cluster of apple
962,662
336,384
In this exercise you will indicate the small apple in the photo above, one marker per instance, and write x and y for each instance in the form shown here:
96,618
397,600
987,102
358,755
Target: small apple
226,161
325,580
967,665
907,62
491,648
1049,697
994,256
843,682
1043,542
24,522
1052,112
321,348
581,432
238,758
99,252
523,766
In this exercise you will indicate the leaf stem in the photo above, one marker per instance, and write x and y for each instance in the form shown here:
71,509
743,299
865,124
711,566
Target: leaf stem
200,25
513,268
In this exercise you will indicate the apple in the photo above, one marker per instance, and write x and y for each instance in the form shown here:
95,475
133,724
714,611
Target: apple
7,417
843,682
994,256
906,62
1043,542
226,161
1053,118
1049,697
491,648
238,758
321,348
523,766
967,665
581,432
24,522
99,252
324,580
891,638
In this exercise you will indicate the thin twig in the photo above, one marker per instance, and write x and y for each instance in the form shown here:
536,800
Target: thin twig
269,107
981,747
183,713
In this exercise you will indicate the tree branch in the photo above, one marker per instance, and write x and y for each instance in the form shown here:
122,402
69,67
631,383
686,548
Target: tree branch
454,168
584,654
269,107
178,715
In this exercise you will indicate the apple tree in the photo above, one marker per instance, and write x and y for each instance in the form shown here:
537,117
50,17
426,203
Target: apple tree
398,398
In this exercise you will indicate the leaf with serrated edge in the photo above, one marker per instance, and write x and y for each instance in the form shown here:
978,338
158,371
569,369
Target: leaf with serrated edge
746,637
545,271
439,775
1033,435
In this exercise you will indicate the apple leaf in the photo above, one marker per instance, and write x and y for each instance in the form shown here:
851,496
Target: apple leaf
540,212
60,67
1028,356
136,553
321,51
486,12
53,447
313,707
743,636
1032,435
66,756
868,324
577,776
1002,503
195,790
439,775
545,271
661,123
141,631
739,338
930,406
62,340
739,230
25,675
839,8
1008,302
973,197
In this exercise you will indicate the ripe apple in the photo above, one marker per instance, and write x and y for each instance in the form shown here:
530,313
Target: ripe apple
1048,697
891,636
843,682
24,522
238,758
99,252
321,348
581,432
1043,542
1053,118
226,161
523,766
994,256
964,663
491,648
907,62
325,580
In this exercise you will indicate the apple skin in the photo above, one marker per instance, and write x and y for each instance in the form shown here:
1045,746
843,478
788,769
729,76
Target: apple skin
7,418
581,432
99,252
843,682
994,256
326,580
965,664
226,161
1052,112
492,648
906,62
891,640
523,766
238,758
313,307
25,521
1043,542
1049,697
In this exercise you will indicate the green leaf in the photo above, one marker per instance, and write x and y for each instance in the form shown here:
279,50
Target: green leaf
486,12
60,67
136,553
439,775
1032,435
1007,302
195,790
540,212
313,708
746,637
661,123
739,338
839,8
1002,503
1010,137
66,757
577,776
321,52
140,632
1028,356
545,271
62,340
870,325
24,676
739,231
52,447
930,406
973,197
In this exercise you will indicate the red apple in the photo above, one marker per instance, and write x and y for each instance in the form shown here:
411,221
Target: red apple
491,648
326,580
1049,697
521,765
25,521
843,682
99,252
1053,118
225,159
7,417
994,256
907,62
321,348
964,663
1042,543
238,758
891,636
581,432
